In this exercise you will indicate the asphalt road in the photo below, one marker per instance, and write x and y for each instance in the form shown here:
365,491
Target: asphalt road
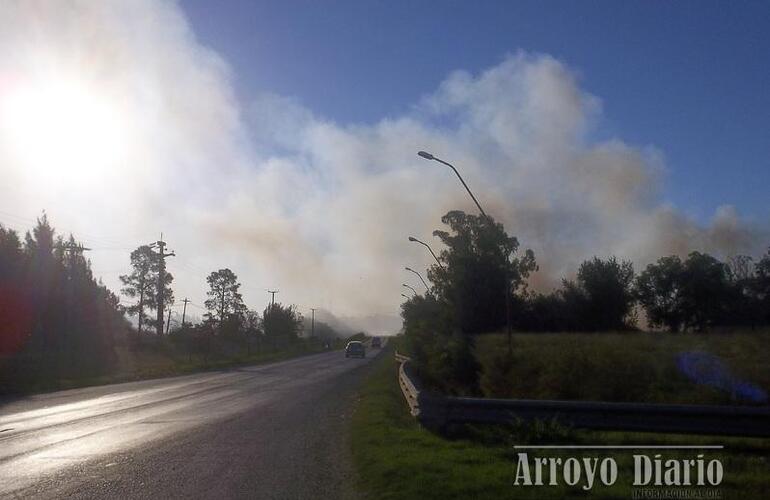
267,432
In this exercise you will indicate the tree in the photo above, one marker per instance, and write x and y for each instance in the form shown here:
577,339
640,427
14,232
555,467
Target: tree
224,299
141,283
744,308
478,268
761,287
691,295
659,290
740,267
252,329
281,324
15,307
604,294
439,350
707,292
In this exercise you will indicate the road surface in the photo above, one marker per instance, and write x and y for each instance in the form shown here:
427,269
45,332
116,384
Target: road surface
269,432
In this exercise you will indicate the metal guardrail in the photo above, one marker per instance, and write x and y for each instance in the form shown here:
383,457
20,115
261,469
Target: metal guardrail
401,358
433,409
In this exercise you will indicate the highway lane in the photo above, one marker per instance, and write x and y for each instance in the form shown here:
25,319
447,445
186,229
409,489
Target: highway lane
269,431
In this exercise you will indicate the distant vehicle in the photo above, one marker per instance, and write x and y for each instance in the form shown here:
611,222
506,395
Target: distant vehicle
376,342
355,348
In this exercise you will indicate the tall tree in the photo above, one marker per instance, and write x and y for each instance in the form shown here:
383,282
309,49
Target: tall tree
141,283
224,299
479,264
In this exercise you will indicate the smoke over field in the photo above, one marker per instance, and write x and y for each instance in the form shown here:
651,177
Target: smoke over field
293,200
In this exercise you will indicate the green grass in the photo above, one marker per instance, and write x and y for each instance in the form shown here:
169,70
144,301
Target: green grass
396,458
617,366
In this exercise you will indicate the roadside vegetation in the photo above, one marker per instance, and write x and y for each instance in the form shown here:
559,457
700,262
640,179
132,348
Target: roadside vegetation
710,323
62,328
479,284
156,358
396,458
646,367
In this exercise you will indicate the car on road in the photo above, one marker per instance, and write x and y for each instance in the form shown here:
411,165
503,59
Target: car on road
376,342
355,348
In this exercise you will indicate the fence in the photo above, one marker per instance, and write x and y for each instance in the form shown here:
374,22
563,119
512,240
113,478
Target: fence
433,409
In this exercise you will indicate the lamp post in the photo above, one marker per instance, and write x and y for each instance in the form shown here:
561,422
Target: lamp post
404,296
409,287
415,240
419,276
429,156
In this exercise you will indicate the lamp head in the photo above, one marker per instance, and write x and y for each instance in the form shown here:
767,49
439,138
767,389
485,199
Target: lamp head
426,155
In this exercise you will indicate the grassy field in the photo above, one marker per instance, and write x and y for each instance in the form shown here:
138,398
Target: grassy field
639,367
398,459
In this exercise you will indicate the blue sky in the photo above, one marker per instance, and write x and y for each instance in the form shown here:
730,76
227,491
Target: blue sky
690,78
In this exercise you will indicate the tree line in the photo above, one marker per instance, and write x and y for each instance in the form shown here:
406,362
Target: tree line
697,293
481,276
57,321
227,316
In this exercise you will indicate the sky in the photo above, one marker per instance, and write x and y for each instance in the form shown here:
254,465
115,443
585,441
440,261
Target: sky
278,138
690,78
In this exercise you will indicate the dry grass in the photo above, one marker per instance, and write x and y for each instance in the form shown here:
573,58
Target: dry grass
625,366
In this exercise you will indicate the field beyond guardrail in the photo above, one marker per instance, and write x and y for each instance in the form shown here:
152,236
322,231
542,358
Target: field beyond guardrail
433,409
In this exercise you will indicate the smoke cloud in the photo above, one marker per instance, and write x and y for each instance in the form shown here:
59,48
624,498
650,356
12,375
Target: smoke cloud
291,200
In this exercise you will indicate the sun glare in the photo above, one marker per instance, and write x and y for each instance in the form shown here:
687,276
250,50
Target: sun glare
62,130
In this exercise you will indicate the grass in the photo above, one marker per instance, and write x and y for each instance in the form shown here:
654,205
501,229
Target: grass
157,359
638,367
396,458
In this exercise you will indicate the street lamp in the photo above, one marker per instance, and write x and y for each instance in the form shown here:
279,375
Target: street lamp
404,296
412,238
419,276
409,287
428,156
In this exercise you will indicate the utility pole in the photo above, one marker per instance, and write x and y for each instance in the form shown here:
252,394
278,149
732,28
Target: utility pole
73,250
312,322
184,310
161,245
272,300
168,320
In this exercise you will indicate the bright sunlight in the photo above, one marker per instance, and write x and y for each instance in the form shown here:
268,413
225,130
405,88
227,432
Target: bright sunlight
62,131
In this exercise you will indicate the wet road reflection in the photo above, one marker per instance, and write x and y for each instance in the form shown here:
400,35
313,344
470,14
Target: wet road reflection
46,434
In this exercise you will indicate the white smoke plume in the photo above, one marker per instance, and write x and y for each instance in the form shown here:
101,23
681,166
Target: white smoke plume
121,124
